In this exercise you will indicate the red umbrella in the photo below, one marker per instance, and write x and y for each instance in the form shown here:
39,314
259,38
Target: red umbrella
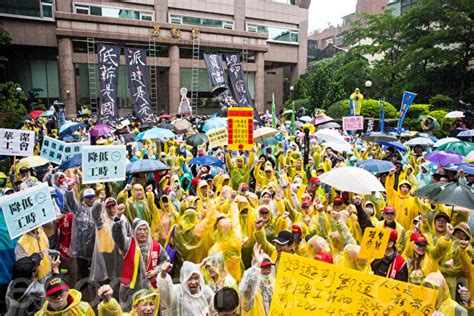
165,116
35,114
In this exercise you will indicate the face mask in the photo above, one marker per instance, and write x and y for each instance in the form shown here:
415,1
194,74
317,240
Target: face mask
264,277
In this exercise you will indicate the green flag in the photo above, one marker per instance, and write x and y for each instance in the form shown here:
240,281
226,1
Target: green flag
274,120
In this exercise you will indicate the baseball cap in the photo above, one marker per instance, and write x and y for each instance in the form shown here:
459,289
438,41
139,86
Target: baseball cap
110,202
266,262
443,214
263,210
338,200
24,267
88,193
296,231
244,187
55,285
388,209
284,237
306,203
419,239
314,180
62,178
324,257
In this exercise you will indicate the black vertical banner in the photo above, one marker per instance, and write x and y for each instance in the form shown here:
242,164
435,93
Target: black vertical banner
216,73
137,83
238,84
109,58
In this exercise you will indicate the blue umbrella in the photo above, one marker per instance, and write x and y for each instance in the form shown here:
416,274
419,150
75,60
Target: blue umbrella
70,127
396,144
35,90
468,133
215,122
206,160
74,162
47,113
156,133
146,165
375,165
270,141
70,138
467,167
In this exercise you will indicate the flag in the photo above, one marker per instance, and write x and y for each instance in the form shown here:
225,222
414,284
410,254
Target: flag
293,118
407,100
274,120
382,116
351,107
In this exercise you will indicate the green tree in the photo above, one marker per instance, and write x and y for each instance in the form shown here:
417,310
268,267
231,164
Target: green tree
5,41
11,104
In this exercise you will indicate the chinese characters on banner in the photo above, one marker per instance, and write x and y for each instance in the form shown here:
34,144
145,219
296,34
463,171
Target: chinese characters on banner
216,73
14,142
238,84
352,123
27,209
103,163
52,149
109,58
240,128
374,243
137,82
407,100
58,151
217,137
308,287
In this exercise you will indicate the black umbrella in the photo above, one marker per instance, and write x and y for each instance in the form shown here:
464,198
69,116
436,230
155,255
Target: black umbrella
197,139
455,194
167,126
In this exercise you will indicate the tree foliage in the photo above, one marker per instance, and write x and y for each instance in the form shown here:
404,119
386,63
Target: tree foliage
11,104
370,108
427,50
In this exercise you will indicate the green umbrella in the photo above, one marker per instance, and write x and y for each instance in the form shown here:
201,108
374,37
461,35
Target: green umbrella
463,148
197,139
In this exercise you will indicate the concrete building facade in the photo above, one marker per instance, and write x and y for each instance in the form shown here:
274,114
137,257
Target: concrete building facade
54,45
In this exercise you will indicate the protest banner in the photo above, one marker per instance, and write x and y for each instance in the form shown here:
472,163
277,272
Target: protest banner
217,137
27,209
52,149
240,128
352,123
374,243
103,163
15,142
72,149
309,287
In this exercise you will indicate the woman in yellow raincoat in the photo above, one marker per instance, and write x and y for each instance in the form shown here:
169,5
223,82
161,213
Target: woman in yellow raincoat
228,243
444,304
163,220
405,204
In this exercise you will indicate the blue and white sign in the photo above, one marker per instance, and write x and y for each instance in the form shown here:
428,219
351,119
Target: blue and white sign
103,163
28,209
72,149
53,149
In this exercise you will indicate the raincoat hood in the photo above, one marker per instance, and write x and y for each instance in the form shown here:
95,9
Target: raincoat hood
187,270
181,181
437,282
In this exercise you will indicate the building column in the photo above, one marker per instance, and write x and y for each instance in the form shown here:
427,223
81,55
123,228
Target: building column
260,82
173,79
239,15
67,82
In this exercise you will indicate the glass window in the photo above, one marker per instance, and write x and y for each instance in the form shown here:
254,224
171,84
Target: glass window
114,12
47,10
275,34
178,19
339,41
146,16
82,9
95,10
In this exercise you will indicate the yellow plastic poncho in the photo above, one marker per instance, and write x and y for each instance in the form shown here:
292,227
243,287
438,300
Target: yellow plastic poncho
444,303
239,175
142,208
405,205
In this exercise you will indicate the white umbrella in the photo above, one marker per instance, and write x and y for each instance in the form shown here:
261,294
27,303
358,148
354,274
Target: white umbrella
422,141
446,140
338,146
352,179
264,133
305,119
333,139
454,114
181,124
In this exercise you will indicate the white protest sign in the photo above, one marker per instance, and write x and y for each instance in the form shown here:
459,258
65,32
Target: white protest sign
72,149
27,209
16,142
53,149
217,137
103,163
352,123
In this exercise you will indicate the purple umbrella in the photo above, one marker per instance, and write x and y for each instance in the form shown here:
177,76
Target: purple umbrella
444,157
100,130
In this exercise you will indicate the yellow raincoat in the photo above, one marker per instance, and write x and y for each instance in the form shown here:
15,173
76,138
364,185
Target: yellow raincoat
444,303
239,175
142,209
405,205
75,308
